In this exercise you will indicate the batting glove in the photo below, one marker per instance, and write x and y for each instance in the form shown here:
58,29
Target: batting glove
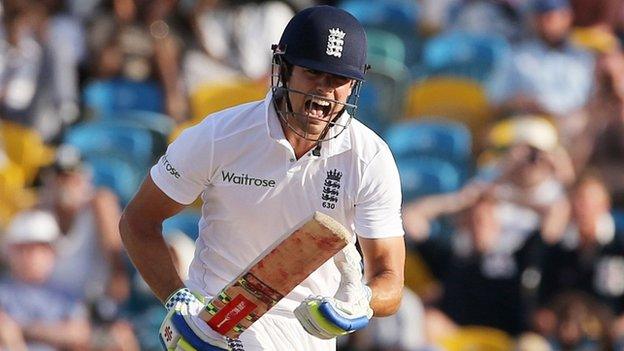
179,330
348,310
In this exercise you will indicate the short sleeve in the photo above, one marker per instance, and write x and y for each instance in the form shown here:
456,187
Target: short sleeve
504,83
378,205
185,169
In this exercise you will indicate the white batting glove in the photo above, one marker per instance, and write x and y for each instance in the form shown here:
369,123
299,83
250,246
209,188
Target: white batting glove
179,330
348,310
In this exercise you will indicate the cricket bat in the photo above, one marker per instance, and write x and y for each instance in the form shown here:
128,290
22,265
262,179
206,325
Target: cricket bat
274,274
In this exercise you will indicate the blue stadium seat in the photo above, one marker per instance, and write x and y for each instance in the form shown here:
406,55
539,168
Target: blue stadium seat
153,121
391,14
475,56
113,138
421,176
104,97
117,173
185,221
368,111
383,45
439,138
400,17
618,218
383,93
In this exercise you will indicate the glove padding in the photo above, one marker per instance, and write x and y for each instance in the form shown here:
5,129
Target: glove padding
178,331
348,310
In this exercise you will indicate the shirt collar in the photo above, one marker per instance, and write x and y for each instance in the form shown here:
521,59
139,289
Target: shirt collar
329,148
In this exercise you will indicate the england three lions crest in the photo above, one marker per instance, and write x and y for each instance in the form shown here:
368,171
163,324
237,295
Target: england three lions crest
331,189
335,41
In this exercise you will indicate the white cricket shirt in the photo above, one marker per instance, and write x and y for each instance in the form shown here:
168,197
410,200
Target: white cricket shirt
254,191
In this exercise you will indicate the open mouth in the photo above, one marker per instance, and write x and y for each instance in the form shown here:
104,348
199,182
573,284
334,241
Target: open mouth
318,108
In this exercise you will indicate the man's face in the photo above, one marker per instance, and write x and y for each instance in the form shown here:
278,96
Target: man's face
31,262
72,189
311,115
532,167
553,26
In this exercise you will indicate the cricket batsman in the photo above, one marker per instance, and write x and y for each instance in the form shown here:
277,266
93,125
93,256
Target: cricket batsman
260,169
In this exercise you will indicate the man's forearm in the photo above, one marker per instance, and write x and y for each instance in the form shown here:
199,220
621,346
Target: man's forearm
149,254
66,335
387,288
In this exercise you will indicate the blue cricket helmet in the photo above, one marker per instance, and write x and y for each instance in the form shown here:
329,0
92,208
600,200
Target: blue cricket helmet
326,39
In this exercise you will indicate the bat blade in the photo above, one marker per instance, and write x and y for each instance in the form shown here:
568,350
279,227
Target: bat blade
274,274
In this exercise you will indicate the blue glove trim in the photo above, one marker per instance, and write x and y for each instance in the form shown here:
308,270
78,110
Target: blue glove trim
162,342
187,333
347,324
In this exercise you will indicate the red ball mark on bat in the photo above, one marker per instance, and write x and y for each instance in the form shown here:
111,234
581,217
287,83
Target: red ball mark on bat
326,243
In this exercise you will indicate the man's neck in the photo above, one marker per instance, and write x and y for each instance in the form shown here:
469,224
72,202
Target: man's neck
300,145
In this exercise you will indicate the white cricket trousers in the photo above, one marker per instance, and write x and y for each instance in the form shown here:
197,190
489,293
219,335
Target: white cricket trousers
274,332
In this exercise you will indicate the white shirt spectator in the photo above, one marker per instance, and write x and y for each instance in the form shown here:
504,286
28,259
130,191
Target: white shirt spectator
560,80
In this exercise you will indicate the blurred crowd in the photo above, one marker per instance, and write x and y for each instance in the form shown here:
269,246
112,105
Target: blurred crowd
506,118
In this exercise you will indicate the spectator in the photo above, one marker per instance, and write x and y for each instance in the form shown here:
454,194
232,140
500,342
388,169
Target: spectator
530,177
601,145
485,17
547,74
91,264
34,315
480,272
40,49
590,256
231,36
138,40
496,239
206,61
576,322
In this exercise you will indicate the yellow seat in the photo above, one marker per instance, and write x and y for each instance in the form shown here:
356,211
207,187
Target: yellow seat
11,176
211,98
14,197
460,99
13,201
418,276
477,338
25,147
595,39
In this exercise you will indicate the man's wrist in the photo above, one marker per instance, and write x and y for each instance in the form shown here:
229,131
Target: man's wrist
181,295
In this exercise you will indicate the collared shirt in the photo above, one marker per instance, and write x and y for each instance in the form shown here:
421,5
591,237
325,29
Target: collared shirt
597,269
559,80
254,190
28,304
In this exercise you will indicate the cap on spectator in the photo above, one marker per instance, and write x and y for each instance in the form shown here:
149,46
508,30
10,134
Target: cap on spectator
532,130
543,6
595,38
32,226
68,159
